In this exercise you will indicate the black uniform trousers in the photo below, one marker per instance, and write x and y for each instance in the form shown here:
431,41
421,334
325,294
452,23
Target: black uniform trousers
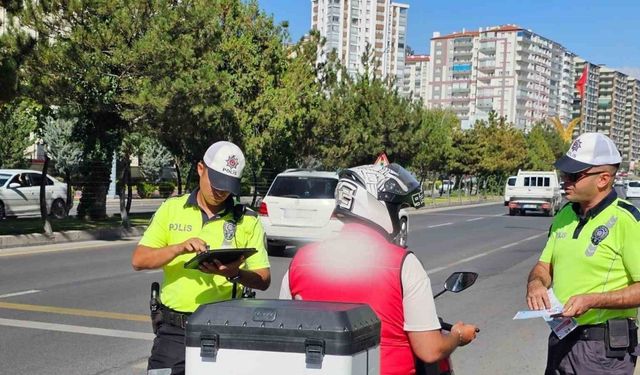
168,349
581,355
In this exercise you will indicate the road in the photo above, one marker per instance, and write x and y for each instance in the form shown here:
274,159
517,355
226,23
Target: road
80,309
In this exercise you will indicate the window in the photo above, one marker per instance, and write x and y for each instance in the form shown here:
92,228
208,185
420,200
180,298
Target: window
537,181
36,178
4,178
511,181
303,187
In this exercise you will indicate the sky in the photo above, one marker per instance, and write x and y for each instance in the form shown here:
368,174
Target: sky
601,31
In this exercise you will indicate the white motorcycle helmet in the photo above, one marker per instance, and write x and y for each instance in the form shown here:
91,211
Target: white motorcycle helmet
374,194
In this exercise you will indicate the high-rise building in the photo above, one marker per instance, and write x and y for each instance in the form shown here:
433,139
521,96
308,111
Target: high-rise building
588,105
515,72
612,101
416,71
350,25
632,111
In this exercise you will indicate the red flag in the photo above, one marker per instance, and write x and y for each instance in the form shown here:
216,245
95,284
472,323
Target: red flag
582,81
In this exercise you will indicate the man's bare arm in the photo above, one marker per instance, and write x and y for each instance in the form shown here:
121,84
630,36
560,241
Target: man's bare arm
539,281
624,298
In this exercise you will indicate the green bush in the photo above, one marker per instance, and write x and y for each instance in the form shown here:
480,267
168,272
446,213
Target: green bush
145,189
166,188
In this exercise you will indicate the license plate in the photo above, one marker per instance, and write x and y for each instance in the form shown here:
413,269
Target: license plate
298,214
529,206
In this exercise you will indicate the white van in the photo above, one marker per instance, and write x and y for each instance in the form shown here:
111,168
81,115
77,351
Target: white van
535,191
508,189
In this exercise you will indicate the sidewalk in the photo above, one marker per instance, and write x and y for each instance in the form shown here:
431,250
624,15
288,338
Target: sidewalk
110,234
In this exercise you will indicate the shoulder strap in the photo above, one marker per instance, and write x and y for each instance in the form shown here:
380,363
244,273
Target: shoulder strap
633,210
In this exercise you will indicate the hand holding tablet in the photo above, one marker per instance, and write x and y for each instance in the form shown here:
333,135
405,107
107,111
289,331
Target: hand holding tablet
224,256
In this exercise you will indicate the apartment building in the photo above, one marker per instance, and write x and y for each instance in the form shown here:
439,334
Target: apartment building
588,105
515,72
416,70
350,25
612,101
631,148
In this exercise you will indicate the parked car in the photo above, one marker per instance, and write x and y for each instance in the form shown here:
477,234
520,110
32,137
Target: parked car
20,194
508,189
298,209
633,189
535,191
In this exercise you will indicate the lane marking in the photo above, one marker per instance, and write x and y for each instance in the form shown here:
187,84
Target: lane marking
476,219
467,215
154,271
77,329
74,312
483,254
439,225
20,293
9,253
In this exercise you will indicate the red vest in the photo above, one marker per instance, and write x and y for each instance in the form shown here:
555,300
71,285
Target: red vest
359,266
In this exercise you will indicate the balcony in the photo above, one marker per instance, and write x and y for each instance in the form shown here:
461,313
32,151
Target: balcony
485,104
487,66
460,90
462,43
487,47
462,52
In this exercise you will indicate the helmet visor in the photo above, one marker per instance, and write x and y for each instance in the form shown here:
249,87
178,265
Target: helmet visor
402,184
402,189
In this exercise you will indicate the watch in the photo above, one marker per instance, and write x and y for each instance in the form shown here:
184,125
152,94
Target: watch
235,278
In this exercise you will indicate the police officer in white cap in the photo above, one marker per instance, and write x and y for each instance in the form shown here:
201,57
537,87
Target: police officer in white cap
186,225
592,261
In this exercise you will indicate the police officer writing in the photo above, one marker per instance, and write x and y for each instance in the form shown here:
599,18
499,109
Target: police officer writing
363,264
592,260
187,225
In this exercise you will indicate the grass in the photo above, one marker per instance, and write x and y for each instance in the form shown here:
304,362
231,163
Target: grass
35,225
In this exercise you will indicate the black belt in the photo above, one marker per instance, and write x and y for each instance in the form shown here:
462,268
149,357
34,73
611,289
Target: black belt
173,317
589,333
596,332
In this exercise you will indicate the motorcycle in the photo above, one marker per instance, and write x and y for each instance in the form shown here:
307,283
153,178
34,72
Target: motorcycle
456,282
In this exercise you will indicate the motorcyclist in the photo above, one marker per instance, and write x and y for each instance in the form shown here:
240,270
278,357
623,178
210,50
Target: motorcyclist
364,265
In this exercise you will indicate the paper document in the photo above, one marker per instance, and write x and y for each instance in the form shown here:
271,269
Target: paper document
559,325
556,308
529,314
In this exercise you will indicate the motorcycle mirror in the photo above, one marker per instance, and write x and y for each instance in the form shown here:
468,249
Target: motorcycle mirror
459,281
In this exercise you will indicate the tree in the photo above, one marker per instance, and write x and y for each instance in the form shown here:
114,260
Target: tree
154,158
79,62
64,148
364,116
433,140
540,157
18,121
554,140
13,50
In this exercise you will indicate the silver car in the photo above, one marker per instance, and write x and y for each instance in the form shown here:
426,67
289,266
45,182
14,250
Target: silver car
20,194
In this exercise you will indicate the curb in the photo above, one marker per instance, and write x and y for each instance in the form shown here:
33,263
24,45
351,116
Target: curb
35,239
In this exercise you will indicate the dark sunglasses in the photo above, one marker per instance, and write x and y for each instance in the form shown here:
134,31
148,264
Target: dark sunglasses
575,177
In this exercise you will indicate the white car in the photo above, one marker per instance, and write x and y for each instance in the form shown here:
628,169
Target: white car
20,194
633,189
298,209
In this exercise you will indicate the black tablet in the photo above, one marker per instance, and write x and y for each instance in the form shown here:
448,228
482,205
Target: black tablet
224,256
